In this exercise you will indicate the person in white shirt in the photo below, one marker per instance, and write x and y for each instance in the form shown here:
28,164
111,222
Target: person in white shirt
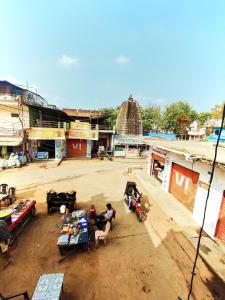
101,220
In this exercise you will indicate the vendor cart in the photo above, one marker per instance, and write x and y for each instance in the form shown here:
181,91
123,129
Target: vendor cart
75,232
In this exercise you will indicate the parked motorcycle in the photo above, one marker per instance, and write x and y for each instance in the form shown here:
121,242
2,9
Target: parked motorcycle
133,200
103,154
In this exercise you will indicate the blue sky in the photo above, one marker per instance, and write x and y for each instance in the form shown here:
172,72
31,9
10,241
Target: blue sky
90,54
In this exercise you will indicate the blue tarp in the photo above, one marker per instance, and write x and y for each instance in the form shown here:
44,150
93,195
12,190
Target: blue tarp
166,136
213,137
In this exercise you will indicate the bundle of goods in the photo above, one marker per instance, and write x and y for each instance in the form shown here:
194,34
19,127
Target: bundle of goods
74,230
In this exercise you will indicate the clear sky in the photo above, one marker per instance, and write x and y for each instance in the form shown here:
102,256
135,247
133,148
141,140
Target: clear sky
90,54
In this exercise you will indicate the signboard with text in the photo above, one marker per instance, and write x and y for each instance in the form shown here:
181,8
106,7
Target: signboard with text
83,134
35,133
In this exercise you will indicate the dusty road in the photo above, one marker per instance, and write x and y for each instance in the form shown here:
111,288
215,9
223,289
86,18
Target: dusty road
150,260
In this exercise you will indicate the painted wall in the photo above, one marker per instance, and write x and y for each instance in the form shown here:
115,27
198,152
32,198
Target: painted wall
216,193
76,148
184,184
215,197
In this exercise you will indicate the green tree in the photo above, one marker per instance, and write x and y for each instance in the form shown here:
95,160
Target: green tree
151,118
173,111
217,111
202,117
110,115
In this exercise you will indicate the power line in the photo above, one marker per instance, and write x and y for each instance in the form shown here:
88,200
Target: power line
205,209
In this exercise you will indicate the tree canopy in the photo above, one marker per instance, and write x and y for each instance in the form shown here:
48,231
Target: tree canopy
172,113
175,117
151,118
110,115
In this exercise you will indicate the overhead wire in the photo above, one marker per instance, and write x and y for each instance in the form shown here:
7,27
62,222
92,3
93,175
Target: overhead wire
206,205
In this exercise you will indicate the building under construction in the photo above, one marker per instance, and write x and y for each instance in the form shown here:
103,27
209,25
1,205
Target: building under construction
129,120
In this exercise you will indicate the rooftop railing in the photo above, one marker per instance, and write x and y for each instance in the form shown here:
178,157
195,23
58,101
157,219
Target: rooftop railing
103,127
50,124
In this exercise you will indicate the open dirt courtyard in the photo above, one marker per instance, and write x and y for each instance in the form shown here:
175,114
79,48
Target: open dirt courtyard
149,260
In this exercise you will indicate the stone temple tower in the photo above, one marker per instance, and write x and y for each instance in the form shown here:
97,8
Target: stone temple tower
129,120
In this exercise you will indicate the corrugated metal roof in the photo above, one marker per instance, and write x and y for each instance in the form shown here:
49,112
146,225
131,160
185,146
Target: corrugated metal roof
202,150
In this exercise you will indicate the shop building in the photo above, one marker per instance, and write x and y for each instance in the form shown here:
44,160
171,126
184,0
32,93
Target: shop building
130,146
183,169
21,111
79,139
96,119
46,143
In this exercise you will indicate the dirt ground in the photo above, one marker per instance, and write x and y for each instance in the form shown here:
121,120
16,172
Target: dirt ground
149,260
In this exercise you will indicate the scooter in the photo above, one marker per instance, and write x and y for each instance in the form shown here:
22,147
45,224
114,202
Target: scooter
133,199
135,206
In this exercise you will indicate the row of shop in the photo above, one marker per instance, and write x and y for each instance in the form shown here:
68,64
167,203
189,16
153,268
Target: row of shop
79,141
188,181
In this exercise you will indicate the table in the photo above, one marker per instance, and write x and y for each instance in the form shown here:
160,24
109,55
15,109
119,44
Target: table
49,287
22,216
70,239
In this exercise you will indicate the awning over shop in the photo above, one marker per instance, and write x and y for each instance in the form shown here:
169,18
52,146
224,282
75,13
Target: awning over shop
37,133
10,141
129,140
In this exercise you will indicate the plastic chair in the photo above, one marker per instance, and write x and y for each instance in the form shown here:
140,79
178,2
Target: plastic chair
101,235
113,217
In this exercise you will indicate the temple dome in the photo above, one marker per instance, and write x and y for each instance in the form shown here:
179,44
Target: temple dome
129,120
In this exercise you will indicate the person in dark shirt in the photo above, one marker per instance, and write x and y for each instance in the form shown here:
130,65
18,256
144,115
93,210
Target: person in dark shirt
4,242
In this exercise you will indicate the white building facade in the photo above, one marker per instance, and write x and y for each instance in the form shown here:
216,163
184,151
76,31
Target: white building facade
187,179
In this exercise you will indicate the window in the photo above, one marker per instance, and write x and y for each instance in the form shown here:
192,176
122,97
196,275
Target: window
13,115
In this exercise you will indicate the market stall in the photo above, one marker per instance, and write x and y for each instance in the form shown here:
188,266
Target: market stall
74,232
17,215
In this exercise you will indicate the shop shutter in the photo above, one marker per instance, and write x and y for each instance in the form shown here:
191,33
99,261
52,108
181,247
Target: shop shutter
183,185
76,148
220,228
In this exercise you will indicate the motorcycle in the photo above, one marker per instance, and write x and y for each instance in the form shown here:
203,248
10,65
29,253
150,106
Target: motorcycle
133,200
103,154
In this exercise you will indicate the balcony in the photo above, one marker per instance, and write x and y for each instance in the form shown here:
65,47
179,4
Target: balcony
50,124
104,128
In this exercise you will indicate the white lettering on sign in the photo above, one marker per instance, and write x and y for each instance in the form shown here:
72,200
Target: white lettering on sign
77,146
180,179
